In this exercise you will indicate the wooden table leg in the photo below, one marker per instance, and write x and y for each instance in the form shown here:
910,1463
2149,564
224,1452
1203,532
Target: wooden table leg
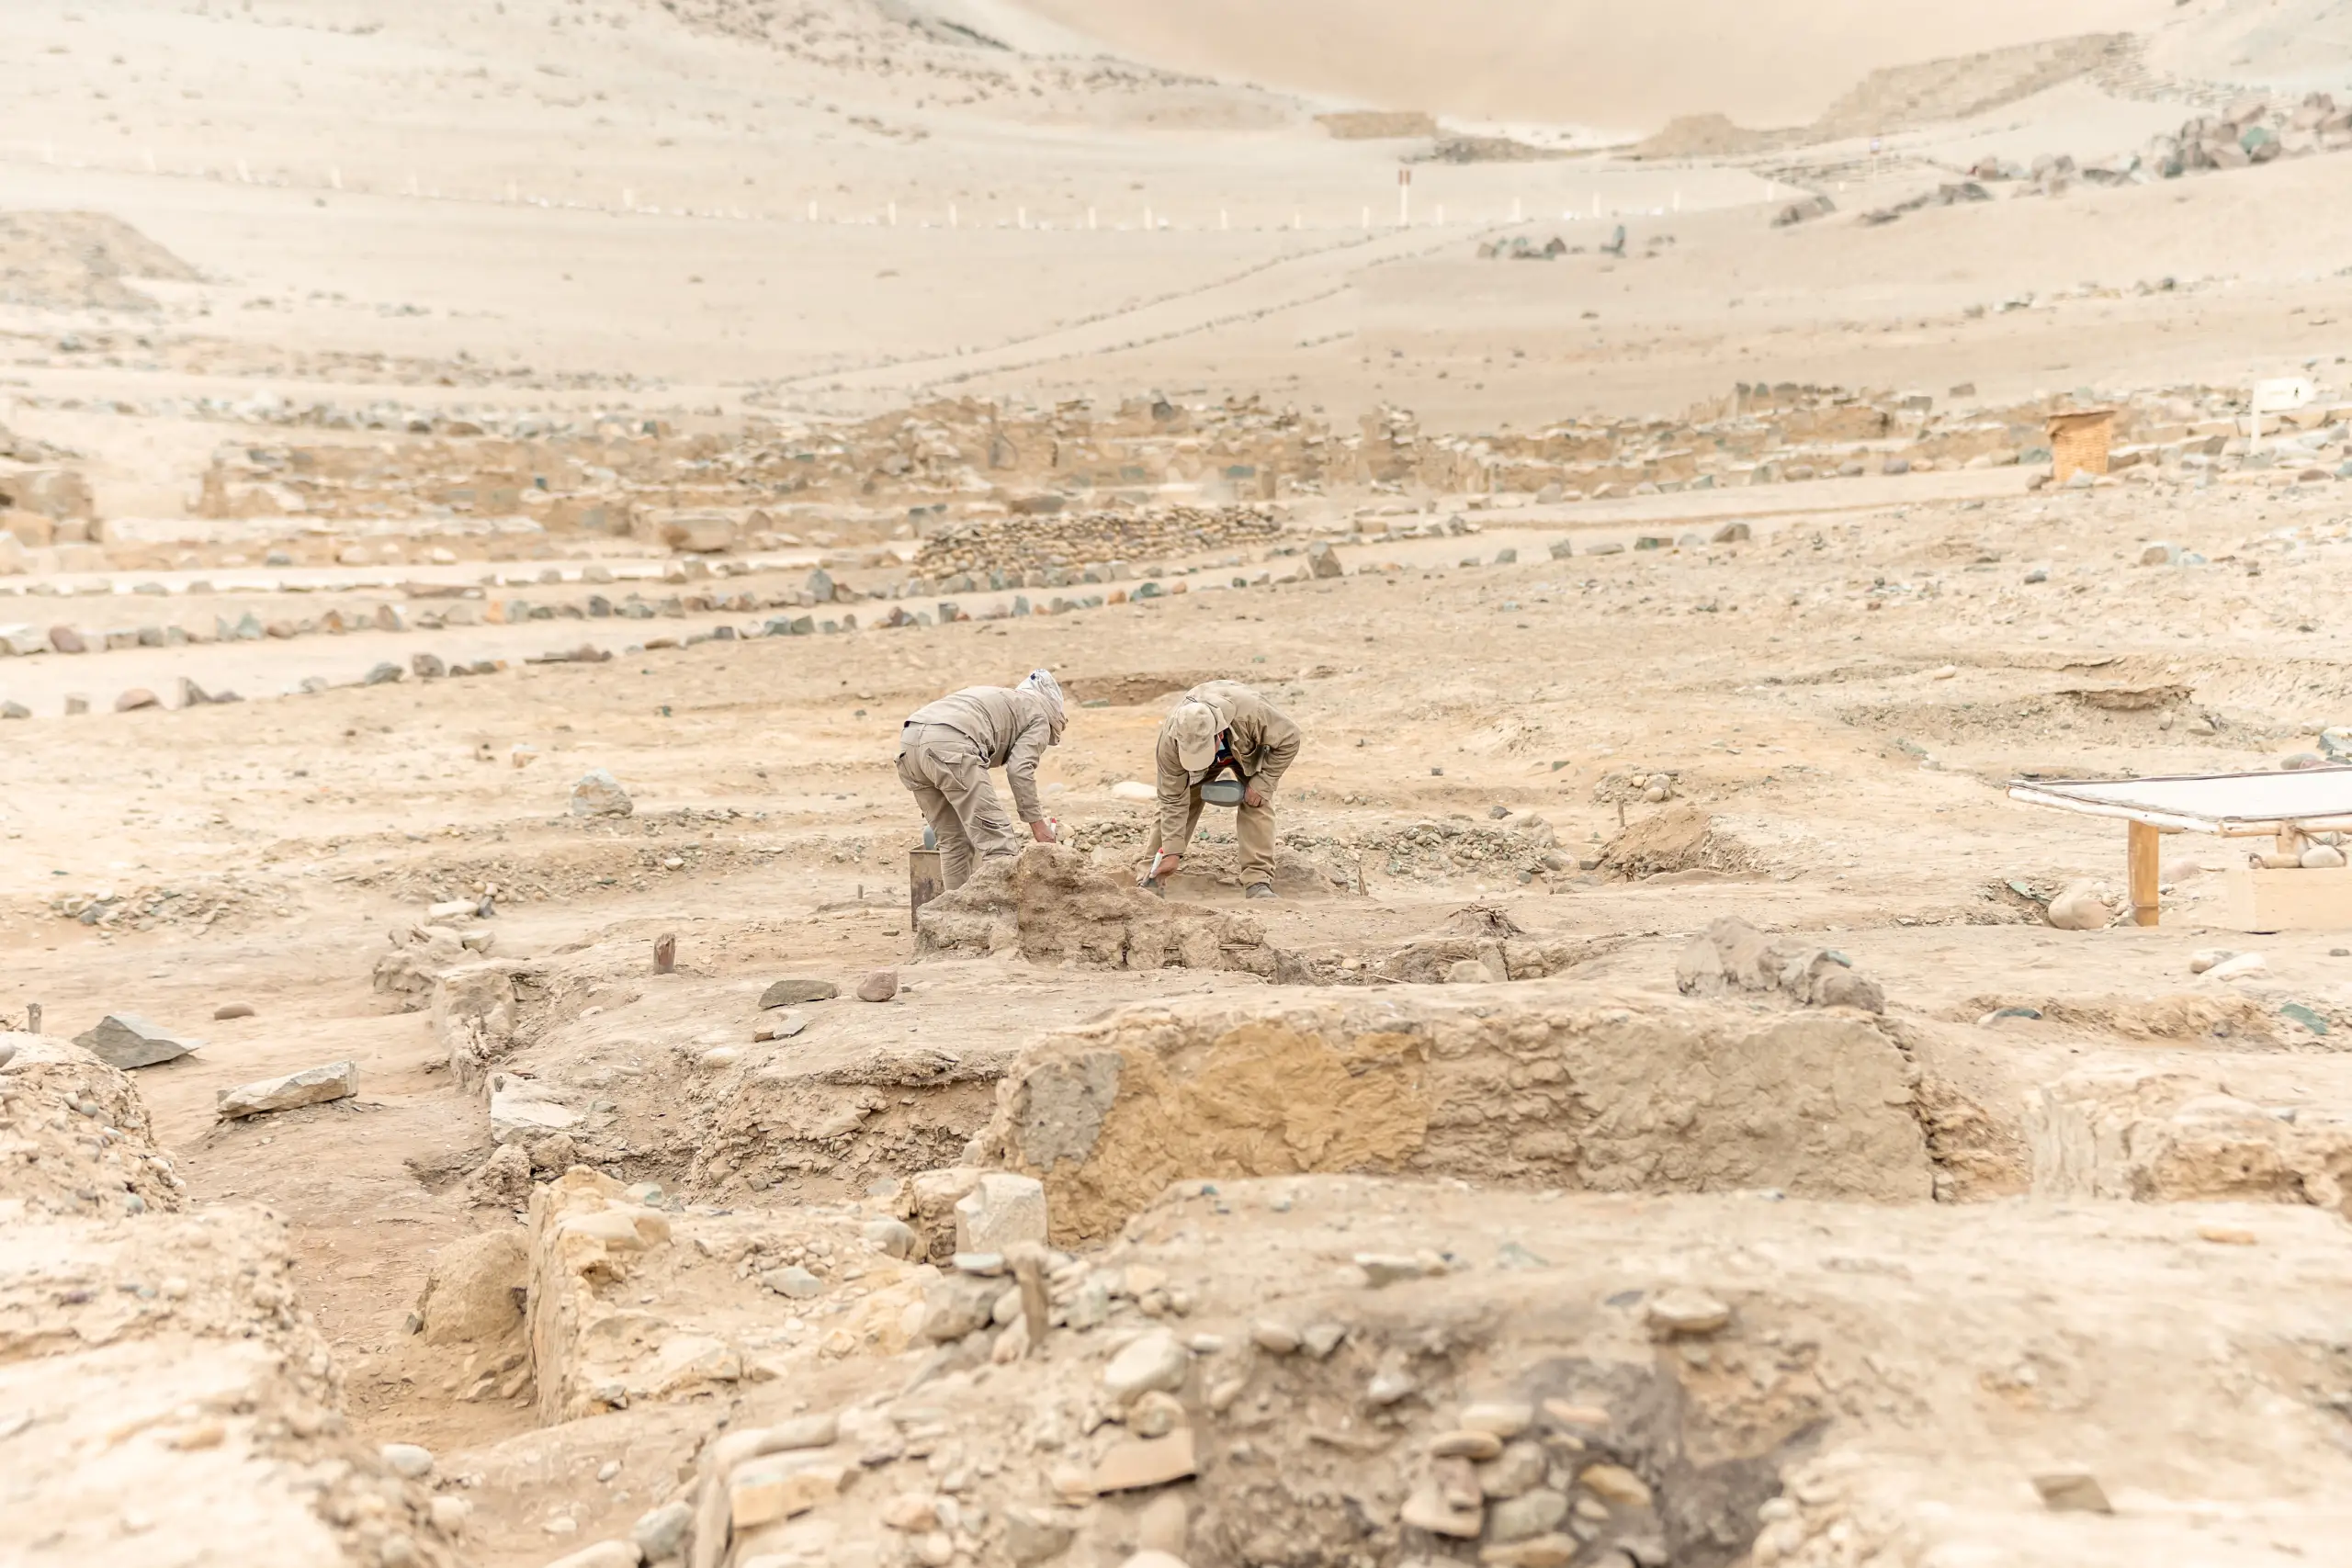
2145,842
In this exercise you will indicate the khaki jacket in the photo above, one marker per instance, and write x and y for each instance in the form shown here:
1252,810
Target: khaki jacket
1011,729
1264,743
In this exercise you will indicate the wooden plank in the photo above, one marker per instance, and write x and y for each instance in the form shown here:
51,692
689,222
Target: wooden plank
2142,853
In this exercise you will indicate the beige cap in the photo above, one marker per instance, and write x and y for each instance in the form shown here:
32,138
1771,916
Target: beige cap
1196,727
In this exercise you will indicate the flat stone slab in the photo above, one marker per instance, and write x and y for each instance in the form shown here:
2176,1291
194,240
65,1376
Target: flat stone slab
125,1040
312,1086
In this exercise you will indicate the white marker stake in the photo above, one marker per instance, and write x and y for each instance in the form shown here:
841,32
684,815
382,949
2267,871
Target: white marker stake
509,191
1296,224
151,161
1440,215
1021,217
1146,218
894,215
1090,220
952,222
1222,221
1367,219
1403,198
812,212
1514,209
334,176
244,176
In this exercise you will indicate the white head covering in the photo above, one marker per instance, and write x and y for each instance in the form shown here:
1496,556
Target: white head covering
1042,681
1195,725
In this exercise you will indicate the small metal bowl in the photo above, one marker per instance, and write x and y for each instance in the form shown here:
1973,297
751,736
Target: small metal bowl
1223,792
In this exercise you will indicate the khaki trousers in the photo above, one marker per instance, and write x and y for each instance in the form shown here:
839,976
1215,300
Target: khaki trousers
949,779
1253,826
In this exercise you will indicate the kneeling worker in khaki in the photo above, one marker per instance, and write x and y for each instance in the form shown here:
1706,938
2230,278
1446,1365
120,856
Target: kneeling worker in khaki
1223,732
947,749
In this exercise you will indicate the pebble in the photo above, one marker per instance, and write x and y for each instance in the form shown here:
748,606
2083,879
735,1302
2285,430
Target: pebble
407,1459
2205,958
607,1470
1389,1267
795,990
1428,1509
232,1009
1516,1471
1156,1415
1274,1338
1568,1415
137,697
1533,1514
1615,1483
1684,1311
1467,1444
878,987
1388,1386
1503,1418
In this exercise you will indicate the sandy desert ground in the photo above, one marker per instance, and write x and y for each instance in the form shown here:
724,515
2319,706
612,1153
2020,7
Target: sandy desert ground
1679,1111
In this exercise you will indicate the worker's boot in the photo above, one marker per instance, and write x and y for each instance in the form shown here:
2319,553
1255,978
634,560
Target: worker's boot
1259,890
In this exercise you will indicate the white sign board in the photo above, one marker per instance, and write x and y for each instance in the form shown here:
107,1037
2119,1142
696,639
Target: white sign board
2279,396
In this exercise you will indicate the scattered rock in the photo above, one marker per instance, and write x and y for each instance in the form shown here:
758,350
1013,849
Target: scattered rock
1152,1361
2079,909
1145,1461
2322,857
408,1460
661,1534
2072,1492
794,1282
1504,1418
1615,1483
598,794
1429,1508
999,1212
2245,965
228,1010
1322,560
2206,958
794,991
1466,1443
878,987
1681,1311
1519,1519
124,1041
894,1238
603,1554
1734,956
383,675
135,698
312,1086
1036,1535
1274,1338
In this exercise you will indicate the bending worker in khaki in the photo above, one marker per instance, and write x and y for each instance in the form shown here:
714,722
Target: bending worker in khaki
1221,731
946,749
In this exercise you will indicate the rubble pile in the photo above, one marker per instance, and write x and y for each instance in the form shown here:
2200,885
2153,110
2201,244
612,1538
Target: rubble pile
1035,549
2253,130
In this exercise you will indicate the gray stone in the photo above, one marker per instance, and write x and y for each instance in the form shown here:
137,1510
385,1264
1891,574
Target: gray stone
1531,1514
408,1460
2079,909
1151,1361
1036,1535
895,1237
1322,560
1683,1311
956,1304
1319,1340
125,1040
383,675
2072,1492
427,666
312,1086
793,1281
661,1533
598,794
878,987
793,990
1001,1211
1562,549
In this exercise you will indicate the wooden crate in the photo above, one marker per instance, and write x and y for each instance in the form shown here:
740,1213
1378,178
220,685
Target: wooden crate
2264,900
2079,443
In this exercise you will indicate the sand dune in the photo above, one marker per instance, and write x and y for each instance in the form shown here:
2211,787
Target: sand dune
1761,61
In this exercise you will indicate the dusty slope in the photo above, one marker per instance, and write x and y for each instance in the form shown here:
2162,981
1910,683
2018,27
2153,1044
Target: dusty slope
1775,63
